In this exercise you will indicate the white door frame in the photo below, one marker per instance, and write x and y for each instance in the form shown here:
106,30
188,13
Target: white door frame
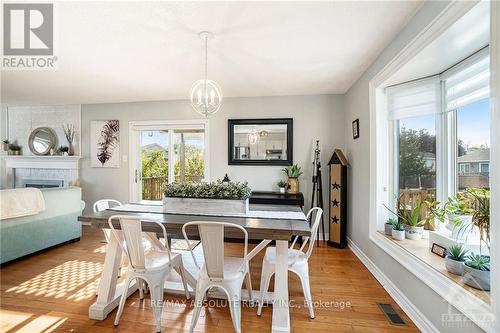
136,126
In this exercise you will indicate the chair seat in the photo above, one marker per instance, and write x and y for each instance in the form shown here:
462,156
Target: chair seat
155,259
233,268
294,256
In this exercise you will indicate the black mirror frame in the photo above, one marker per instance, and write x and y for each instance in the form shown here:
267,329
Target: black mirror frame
262,121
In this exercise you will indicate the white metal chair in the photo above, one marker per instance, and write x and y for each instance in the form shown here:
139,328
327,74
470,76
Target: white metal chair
104,204
226,273
151,266
297,263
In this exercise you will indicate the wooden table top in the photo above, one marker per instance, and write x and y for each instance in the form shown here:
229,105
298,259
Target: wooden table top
257,228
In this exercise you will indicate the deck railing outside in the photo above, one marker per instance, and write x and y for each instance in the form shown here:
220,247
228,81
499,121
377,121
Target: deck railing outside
152,187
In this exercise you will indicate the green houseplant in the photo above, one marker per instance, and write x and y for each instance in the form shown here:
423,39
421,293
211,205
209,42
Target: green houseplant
477,271
455,258
293,172
282,186
388,226
410,217
398,230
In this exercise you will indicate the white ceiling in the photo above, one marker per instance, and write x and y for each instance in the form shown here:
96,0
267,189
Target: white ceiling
466,36
138,51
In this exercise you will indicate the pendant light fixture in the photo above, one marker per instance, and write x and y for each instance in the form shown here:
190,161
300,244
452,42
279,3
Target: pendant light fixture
206,96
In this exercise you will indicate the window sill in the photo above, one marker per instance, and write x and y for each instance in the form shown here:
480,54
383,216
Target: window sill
463,298
421,250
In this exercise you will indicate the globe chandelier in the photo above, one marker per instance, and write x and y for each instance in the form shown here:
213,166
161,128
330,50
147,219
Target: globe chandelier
206,95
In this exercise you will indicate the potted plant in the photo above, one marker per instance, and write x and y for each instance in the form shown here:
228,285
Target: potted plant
293,172
458,212
477,271
15,149
282,186
410,217
63,150
455,258
388,226
5,145
398,231
433,214
207,198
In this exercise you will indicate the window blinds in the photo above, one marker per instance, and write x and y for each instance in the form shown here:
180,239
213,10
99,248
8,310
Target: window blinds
468,82
417,98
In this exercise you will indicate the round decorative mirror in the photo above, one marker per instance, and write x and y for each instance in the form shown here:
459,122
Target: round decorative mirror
42,140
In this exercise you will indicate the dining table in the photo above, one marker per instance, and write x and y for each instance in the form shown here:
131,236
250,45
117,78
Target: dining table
265,223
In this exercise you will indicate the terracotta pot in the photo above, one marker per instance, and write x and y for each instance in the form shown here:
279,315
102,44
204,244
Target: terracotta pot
293,185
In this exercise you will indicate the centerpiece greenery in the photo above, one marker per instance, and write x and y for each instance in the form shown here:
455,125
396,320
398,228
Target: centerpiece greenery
214,190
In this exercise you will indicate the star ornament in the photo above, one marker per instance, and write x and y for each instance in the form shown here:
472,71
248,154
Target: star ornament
335,202
335,220
336,186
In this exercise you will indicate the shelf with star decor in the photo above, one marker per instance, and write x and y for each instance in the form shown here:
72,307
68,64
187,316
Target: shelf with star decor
338,199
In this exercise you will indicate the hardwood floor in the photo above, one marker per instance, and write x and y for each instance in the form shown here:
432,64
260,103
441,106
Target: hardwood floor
51,292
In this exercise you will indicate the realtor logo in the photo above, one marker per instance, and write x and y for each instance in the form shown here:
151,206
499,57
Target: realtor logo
28,29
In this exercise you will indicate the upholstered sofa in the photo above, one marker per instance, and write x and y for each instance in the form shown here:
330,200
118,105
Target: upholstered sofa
56,224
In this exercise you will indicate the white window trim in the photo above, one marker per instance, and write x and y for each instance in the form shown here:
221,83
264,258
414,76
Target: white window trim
381,185
144,125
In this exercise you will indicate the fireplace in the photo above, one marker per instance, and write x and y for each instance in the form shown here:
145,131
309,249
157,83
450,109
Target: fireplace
42,183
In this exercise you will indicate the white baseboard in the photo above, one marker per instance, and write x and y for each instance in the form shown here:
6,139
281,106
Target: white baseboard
408,307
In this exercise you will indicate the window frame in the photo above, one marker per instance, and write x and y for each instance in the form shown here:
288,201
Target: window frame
478,311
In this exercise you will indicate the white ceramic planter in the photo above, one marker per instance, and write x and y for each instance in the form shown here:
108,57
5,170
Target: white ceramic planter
414,233
455,229
398,235
205,206
454,266
476,278
388,229
282,190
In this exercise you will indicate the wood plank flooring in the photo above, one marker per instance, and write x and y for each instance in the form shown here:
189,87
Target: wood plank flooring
51,292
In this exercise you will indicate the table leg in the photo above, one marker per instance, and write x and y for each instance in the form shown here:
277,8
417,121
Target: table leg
109,292
281,313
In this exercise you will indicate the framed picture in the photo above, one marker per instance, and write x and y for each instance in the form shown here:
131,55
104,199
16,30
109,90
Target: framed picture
439,250
105,143
355,129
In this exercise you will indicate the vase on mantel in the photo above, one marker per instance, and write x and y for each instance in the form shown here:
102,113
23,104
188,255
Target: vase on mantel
71,150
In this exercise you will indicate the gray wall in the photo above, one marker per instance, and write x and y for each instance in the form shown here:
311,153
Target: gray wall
358,153
315,117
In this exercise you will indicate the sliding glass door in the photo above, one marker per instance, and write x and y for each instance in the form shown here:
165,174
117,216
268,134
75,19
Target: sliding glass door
166,152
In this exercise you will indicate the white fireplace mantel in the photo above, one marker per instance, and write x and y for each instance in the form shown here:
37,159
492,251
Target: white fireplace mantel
41,162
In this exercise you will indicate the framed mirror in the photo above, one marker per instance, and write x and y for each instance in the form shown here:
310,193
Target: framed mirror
260,141
42,140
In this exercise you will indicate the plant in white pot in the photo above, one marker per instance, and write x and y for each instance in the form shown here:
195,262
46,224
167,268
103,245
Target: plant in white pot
458,212
455,259
398,231
282,185
388,226
410,217
477,271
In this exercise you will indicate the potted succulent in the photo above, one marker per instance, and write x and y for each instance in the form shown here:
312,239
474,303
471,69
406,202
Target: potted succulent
282,186
293,172
5,145
410,217
388,226
458,212
477,271
455,258
398,231
15,149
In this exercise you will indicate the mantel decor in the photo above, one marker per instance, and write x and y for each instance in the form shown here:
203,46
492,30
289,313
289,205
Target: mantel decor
207,198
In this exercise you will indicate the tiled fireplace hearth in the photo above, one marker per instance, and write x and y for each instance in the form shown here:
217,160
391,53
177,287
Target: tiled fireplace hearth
21,169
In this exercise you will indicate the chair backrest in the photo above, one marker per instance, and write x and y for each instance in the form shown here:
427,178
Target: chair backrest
309,241
131,240
104,204
212,241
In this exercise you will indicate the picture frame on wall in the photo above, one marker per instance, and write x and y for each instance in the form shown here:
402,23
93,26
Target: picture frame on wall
355,129
105,143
